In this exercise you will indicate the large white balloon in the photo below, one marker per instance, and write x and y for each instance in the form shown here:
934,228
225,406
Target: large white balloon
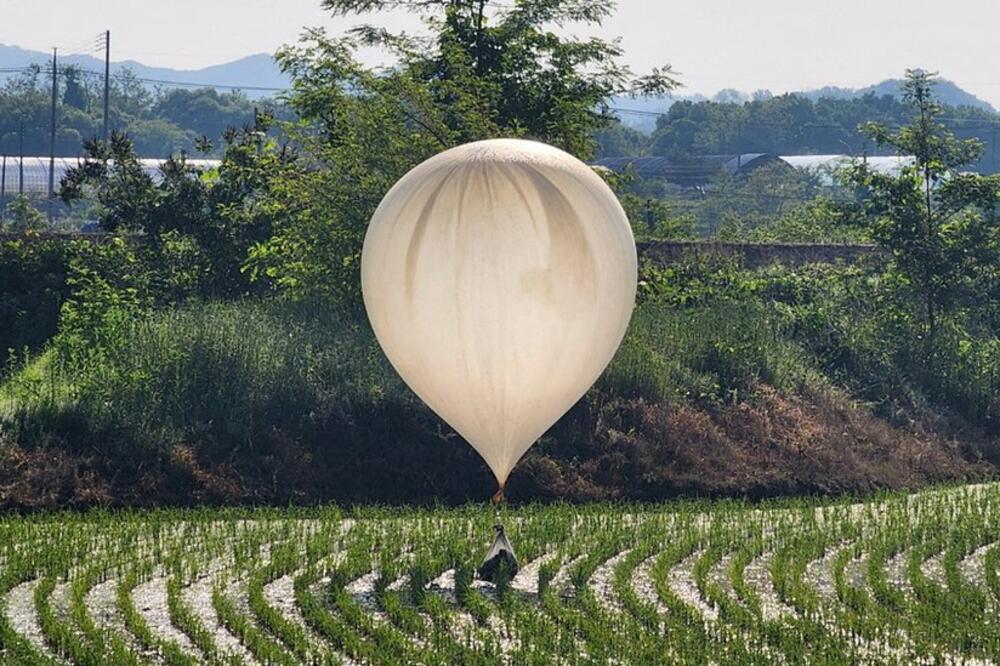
499,278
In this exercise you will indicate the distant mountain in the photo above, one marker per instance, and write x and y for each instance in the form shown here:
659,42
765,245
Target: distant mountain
640,113
254,71
261,71
947,92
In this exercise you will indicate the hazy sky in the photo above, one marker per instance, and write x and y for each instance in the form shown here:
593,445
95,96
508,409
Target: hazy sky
745,44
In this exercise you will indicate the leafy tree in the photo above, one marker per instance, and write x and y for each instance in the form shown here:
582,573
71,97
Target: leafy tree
112,175
23,108
187,214
22,215
159,138
203,112
939,224
128,95
479,73
74,92
618,140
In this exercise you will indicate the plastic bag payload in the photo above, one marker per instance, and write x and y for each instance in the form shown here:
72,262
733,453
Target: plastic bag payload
500,555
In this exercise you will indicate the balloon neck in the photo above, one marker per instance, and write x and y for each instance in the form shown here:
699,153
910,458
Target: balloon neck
498,497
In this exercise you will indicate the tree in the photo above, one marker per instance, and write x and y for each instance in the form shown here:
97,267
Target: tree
212,216
129,95
23,107
74,92
479,73
618,140
204,111
23,216
939,224
112,175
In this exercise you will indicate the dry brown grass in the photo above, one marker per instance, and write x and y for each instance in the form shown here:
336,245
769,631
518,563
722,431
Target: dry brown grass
771,446
604,449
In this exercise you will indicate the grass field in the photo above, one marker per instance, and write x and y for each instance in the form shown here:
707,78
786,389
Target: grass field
894,579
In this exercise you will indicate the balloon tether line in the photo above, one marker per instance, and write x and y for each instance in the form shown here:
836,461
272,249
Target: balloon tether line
500,556
497,501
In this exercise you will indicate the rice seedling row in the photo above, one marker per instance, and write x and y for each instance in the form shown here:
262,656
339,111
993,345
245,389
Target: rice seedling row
893,579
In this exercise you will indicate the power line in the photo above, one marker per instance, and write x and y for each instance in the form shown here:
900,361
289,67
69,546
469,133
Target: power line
193,84
214,85
958,121
961,122
80,48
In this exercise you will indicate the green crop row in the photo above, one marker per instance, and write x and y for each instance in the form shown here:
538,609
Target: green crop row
892,579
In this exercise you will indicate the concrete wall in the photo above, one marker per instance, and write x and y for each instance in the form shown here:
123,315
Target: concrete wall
753,255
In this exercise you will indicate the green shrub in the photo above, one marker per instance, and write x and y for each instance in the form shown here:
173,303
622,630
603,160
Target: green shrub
23,216
223,374
32,288
858,326
706,353
86,290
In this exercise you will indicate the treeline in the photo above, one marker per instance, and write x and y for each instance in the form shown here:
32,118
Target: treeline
790,125
160,121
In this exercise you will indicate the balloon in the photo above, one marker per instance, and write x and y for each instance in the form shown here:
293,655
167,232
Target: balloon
499,278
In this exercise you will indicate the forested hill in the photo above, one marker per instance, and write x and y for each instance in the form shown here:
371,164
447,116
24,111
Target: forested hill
792,124
948,93
161,121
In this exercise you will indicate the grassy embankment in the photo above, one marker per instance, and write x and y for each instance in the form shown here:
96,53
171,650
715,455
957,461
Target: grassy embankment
756,383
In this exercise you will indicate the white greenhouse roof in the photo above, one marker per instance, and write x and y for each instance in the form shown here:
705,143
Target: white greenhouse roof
36,172
825,165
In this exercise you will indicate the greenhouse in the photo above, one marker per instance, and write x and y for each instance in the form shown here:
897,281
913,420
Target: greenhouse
699,171
825,166
691,171
30,175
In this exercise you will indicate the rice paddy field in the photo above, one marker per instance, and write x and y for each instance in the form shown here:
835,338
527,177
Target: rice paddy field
901,579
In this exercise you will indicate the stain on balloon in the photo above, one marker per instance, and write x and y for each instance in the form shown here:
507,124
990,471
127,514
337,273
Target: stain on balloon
568,274
419,228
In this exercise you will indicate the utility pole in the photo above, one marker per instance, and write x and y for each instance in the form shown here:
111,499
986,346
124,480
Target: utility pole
107,79
257,139
20,162
3,188
993,146
52,132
